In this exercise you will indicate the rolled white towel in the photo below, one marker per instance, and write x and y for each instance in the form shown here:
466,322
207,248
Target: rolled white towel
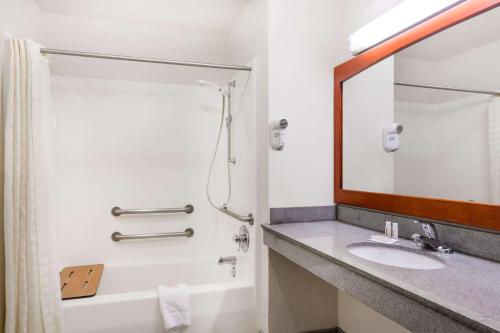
175,305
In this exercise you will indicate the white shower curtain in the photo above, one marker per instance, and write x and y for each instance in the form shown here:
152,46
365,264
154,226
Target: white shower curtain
494,143
31,278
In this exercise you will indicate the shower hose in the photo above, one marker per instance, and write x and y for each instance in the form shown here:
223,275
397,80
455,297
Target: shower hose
212,163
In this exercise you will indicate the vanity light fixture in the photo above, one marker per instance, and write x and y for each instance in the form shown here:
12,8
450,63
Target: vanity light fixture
398,19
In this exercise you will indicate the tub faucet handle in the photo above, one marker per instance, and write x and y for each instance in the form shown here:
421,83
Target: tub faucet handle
238,239
242,239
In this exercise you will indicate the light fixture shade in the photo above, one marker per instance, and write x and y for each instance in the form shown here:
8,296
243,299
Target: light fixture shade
396,20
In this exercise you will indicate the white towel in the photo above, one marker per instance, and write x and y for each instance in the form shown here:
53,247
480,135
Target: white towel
175,305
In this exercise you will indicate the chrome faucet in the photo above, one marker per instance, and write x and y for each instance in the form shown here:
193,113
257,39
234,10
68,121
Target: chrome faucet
231,260
242,239
430,239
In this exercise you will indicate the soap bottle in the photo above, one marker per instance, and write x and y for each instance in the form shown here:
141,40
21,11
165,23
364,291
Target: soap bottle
388,229
395,231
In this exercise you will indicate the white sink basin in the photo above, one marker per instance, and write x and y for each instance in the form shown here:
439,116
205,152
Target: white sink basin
394,255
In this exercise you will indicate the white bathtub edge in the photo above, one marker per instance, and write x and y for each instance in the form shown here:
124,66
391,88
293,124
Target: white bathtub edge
152,293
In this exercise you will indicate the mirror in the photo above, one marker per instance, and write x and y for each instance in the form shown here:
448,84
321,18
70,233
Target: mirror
425,122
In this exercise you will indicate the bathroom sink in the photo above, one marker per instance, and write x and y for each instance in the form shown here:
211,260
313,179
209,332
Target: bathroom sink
394,255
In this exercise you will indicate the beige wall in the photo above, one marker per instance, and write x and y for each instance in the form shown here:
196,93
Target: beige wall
298,300
356,317
301,59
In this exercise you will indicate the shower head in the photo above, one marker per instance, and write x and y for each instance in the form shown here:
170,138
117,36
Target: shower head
204,83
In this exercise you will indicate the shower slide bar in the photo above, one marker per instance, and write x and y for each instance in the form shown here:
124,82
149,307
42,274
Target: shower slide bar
117,211
141,59
429,86
117,236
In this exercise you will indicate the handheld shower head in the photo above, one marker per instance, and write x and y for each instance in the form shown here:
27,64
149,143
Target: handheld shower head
204,83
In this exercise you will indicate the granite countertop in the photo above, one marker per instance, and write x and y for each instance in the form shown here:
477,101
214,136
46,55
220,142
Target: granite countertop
467,288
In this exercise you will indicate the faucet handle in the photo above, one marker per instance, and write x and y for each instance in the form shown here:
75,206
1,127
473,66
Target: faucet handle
429,230
238,239
418,241
432,243
242,239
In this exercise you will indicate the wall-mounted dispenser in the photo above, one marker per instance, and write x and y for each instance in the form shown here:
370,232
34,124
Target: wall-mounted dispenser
278,134
391,137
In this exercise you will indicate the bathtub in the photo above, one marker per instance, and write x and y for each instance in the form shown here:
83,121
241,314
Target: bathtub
127,300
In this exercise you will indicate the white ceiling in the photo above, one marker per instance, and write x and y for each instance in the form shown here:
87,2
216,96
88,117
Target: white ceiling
209,15
468,35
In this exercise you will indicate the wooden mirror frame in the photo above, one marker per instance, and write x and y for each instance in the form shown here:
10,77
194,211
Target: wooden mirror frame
462,212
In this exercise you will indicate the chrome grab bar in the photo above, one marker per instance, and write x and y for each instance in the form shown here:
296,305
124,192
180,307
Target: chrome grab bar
117,211
242,218
117,236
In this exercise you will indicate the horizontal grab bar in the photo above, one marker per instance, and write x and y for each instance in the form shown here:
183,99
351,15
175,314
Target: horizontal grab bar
117,236
248,218
117,211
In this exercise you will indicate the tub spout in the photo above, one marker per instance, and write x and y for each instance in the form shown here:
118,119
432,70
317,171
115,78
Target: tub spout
231,260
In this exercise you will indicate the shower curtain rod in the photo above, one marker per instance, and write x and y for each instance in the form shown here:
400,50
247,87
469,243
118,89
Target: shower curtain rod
429,86
140,59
